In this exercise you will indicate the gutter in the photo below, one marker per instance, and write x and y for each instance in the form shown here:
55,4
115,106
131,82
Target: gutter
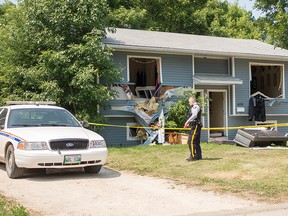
192,51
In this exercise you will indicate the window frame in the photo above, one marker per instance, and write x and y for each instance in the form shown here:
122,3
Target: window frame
259,123
5,118
282,67
144,57
128,125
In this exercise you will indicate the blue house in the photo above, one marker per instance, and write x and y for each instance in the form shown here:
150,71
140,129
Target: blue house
230,71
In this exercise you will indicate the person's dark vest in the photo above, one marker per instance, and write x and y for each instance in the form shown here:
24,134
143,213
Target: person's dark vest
198,118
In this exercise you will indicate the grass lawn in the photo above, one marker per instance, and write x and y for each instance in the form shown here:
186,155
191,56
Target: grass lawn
252,174
9,207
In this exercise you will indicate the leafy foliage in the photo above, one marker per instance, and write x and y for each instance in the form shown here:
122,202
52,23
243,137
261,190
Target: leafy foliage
177,114
52,50
9,207
222,19
276,17
209,17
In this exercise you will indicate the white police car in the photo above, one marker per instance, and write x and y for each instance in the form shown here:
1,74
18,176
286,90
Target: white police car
45,136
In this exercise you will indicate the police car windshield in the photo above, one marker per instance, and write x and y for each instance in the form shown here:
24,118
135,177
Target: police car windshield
41,117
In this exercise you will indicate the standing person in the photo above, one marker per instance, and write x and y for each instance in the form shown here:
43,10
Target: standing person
194,121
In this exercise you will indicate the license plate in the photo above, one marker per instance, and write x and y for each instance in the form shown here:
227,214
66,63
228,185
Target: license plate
70,159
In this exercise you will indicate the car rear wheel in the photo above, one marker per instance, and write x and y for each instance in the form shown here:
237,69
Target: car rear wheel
13,171
93,169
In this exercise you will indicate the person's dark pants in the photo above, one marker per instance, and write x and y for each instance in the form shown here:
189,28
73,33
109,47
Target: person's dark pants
194,142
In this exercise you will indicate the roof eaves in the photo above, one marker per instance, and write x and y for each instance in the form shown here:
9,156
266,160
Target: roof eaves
193,51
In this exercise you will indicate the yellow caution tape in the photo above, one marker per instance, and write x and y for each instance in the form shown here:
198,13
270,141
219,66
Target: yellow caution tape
215,128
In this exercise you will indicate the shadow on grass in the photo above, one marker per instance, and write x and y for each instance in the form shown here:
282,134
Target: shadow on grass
211,159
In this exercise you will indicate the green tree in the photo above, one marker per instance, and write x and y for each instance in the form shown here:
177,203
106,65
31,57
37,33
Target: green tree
276,16
209,17
227,20
173,15
177,114
53,50
127,14
160,15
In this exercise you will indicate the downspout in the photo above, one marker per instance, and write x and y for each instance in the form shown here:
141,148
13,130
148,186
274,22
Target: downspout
233,87
193,72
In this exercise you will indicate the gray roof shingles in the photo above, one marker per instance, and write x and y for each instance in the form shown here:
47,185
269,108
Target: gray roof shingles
143,40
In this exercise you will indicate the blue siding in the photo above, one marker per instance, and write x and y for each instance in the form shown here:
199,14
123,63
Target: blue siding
279,121
237,121
242,92
117,136
176,69
211,66
120,61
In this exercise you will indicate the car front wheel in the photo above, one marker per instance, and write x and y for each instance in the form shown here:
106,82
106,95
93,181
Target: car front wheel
13,171
93,169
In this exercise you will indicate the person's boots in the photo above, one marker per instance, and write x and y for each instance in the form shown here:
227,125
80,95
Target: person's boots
190,158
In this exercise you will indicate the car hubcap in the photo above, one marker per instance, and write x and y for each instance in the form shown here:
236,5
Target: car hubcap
10,158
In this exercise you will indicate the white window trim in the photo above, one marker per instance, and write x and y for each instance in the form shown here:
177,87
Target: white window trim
268,64
201,91
266,122
193,70
233,72
129,124
147,57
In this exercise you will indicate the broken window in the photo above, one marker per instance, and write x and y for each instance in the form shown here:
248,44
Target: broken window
132,131
144,76
267,79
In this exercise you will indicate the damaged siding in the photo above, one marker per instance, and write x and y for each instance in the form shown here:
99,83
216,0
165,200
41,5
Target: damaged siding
117,136
242,92
242,96
176,69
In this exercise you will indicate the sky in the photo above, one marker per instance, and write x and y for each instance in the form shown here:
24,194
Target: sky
14,1
246,4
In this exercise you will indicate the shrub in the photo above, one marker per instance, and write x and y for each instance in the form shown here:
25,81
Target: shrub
178,113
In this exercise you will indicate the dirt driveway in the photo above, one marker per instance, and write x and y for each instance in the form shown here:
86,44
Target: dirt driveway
114,193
